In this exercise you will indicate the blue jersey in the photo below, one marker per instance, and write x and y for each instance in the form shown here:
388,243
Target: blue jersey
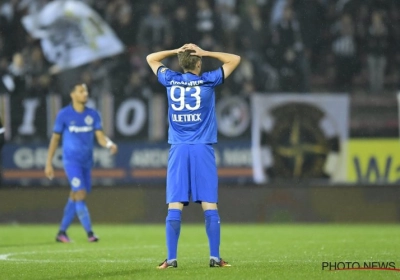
77,130
191,105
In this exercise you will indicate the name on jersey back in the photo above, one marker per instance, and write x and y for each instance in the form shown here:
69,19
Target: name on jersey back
186,117
190,84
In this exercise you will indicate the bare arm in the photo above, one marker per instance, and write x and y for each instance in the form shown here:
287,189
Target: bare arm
230,61
154,59
105,142
55,140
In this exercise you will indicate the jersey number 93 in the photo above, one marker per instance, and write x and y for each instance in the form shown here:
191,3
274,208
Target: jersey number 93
177,94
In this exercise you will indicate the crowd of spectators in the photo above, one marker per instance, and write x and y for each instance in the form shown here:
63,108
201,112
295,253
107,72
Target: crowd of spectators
286,45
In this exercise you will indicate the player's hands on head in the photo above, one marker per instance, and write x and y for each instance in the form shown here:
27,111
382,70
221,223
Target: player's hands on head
182,49
197,50
49,172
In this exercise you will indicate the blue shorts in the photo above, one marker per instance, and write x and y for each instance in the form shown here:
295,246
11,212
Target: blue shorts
79,178
192,174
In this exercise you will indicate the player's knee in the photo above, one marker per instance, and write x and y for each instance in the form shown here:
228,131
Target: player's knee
209,206
79,195
175,205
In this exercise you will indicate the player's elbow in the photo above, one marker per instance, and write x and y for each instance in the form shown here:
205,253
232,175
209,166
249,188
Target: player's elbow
234,62
237,60
149,58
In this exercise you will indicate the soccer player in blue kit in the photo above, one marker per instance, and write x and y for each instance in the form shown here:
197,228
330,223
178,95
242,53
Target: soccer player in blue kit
77,125
192,171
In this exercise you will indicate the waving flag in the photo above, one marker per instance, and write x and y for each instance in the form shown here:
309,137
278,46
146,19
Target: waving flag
72,34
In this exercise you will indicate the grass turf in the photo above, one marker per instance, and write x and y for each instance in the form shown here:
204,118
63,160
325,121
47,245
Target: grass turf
255,252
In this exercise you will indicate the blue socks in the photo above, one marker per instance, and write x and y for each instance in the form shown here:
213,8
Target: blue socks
213,229
69,215
83,215
173,230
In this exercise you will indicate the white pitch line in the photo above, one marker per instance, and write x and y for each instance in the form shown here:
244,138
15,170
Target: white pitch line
68,261
9,256
4,257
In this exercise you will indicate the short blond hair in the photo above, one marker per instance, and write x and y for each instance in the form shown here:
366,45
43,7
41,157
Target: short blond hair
188,61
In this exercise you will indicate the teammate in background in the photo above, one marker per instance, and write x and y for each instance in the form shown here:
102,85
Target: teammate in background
77,124
192,171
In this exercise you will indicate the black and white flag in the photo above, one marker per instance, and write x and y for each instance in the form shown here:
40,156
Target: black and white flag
72,34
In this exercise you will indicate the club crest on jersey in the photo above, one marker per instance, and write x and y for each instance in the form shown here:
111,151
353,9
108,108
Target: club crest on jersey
88,120
75,182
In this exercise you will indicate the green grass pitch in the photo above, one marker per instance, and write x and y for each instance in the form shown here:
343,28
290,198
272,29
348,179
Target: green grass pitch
268,251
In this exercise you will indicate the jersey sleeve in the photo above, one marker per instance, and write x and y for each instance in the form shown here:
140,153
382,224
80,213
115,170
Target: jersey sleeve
163,74
59,124
215,77
97,124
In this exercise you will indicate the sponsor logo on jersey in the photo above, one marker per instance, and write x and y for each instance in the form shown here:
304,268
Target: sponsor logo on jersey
79,129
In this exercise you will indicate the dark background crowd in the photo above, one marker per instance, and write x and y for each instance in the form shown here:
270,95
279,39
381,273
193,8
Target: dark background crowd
286,45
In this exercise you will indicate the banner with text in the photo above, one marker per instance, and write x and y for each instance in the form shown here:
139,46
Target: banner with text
124,118
374,161
134,163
